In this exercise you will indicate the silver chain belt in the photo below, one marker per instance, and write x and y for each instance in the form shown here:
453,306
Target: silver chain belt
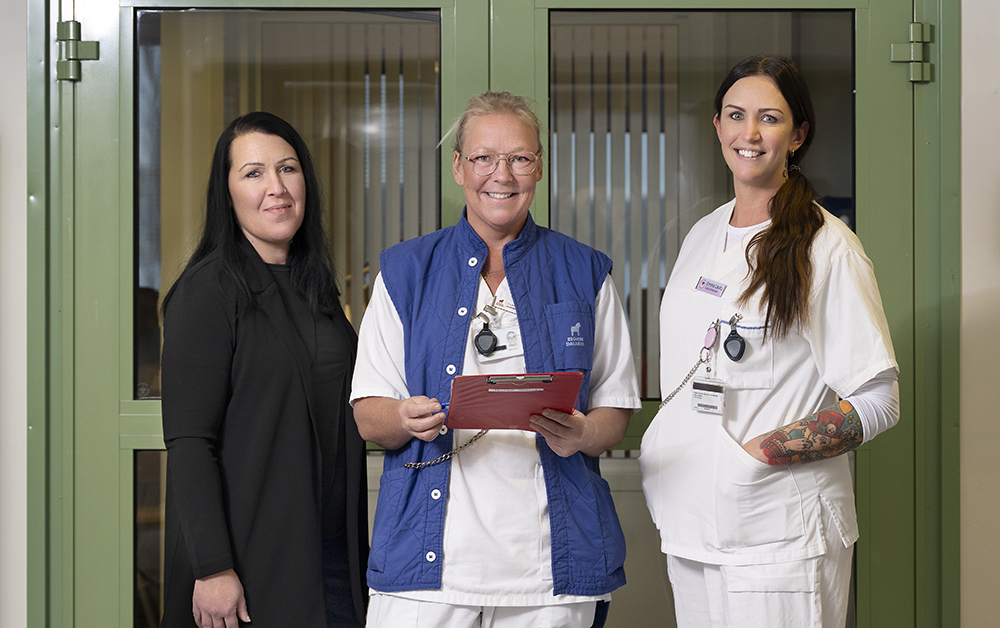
704,356
448,456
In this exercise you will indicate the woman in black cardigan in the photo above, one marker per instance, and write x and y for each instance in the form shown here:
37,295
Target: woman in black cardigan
266,481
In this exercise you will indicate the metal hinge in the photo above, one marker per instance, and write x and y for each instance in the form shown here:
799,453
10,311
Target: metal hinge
913,52
72,51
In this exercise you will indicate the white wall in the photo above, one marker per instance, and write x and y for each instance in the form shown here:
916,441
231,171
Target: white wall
13,235
980,345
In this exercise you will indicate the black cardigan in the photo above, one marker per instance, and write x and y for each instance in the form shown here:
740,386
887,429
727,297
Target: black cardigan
243,458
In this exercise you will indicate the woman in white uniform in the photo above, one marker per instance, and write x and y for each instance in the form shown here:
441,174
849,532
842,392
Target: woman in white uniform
776,361
508,528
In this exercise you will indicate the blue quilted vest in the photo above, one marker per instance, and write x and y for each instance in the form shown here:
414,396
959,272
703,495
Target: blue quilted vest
433,282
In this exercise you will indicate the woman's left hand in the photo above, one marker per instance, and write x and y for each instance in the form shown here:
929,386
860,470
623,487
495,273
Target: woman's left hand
563,432
592,433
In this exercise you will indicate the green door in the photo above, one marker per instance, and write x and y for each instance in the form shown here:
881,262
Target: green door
689,46
101,343
368,84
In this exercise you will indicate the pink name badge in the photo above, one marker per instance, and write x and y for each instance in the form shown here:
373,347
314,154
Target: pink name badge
713,288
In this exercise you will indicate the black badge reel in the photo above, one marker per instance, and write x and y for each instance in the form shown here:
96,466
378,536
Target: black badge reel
486,340
734,344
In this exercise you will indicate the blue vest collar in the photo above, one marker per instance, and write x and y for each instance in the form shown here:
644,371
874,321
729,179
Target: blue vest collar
513,250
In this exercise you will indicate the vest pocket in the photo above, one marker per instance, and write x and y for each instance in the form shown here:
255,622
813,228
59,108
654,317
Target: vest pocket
611,528
571,331
391,486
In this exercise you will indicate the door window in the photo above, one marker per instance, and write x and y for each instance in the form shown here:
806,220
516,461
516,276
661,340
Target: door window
363,90
635,161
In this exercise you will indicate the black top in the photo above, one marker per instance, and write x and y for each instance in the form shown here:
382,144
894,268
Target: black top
247,431
327,342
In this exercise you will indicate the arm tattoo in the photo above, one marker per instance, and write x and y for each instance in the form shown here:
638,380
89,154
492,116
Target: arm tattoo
830,432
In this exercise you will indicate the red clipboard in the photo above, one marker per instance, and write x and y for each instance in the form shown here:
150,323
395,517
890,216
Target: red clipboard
506,402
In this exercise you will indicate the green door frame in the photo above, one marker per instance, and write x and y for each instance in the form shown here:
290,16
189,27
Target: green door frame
937,250
67,329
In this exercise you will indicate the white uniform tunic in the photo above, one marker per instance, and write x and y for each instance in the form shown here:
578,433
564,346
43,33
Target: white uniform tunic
497,547
712,501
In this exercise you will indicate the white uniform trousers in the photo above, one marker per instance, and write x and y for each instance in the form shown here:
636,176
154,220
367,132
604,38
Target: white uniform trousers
811,593
389,611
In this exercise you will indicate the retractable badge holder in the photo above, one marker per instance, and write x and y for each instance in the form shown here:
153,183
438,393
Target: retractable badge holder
707,394
734,345
486,341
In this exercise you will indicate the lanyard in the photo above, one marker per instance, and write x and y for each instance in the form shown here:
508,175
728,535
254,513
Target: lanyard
704,356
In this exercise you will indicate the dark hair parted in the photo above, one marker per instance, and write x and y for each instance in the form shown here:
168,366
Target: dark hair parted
310,266
778,256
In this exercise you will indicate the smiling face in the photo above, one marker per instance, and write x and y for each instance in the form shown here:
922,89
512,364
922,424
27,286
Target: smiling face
498,203
268,192
757,131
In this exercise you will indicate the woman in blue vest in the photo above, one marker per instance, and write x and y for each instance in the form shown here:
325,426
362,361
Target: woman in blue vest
507,528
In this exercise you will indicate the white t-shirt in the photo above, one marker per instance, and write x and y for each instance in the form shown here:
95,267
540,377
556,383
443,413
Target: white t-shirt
497,548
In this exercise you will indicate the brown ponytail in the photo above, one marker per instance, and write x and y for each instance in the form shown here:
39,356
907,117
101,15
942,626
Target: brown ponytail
778,256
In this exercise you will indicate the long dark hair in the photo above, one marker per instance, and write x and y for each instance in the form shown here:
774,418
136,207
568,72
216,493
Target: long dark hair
778,256
311,269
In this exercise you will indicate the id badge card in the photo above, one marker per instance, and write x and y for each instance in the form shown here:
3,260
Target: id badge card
708,395
508,344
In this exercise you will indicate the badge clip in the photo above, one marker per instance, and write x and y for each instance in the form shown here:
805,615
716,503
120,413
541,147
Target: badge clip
734,345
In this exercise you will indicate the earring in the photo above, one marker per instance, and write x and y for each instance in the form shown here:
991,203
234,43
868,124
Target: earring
788,157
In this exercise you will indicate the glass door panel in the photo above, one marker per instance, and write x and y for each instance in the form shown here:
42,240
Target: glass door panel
149,491
362,88
635,161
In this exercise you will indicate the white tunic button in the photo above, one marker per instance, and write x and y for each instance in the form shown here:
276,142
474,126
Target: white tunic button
473,261
435,494
462,311
431,557
450,369
443,430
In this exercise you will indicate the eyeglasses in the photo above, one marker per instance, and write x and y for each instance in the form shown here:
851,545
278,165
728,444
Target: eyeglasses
485,164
